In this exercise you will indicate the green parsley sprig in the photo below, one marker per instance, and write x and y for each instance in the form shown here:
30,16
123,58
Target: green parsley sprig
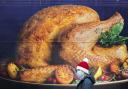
112,37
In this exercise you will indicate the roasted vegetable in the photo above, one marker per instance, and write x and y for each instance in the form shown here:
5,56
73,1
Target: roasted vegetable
125,64
125,73
12,70
64,75
111,37
98,73
114,68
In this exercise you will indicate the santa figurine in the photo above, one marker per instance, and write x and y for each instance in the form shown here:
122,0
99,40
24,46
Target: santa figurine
83,74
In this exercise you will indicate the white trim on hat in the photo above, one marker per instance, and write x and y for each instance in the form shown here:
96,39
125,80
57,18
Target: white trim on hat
83,69
85,60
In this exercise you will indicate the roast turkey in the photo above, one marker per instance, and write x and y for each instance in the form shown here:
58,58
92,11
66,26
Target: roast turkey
80,42
35,41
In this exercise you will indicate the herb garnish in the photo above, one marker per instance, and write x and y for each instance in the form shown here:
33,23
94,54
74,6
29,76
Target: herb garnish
112,37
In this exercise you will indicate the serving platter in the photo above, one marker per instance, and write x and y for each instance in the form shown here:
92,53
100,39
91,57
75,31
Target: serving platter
97,83
9,83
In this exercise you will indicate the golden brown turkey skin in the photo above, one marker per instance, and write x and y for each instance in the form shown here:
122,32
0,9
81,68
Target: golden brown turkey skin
37,74
35,41
40,75
117,52
79,42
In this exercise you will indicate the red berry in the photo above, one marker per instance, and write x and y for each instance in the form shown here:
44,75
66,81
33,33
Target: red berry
50,79
54,81
103,77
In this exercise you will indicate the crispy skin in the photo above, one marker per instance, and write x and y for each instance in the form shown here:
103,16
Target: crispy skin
79,42
39,75
64,75
35,41
116,52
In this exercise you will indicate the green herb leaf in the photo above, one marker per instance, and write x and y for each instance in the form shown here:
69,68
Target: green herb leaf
116,29
111,37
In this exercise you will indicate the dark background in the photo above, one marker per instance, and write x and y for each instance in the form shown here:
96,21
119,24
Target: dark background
13,14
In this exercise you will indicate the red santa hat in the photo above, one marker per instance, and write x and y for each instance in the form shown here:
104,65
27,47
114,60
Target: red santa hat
83,66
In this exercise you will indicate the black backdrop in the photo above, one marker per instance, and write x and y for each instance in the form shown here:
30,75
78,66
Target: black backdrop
13,14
